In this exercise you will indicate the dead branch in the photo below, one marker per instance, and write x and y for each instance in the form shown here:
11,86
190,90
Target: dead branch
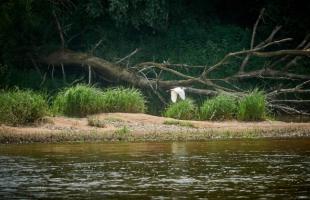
142,74
246,59
60,31
128,56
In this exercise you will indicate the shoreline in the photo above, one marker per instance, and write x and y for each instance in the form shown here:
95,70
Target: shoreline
136,127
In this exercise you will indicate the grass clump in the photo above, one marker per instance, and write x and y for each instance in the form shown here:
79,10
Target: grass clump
181,110
113,119
124,100
252,107
79,101
221,107
96,122
179,123
19,107
122,131
82,100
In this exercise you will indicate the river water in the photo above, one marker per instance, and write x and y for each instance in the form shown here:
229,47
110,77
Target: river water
245,169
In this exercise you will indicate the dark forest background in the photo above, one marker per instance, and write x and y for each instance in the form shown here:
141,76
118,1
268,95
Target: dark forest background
195,32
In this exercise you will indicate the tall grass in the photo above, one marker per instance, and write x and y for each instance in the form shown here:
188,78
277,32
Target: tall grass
252,107
182,110
82,100
221,107
79,101
124,100
19,107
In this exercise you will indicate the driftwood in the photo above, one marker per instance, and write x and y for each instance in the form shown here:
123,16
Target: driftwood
137,75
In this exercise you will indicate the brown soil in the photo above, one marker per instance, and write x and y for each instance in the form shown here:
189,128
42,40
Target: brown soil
142,127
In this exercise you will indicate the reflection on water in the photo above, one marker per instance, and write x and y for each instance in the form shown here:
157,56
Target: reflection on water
261,169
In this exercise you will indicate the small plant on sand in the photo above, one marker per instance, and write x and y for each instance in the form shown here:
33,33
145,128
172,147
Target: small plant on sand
252,107
179,123
122,131
221,107
182,110
79,101
95,121
21,107
124,100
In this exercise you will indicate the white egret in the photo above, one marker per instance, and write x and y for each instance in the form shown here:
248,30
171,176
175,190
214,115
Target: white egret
175,92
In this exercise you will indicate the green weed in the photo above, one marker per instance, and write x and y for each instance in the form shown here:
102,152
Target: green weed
95,121
252,107
21,107
181,110
122,131
79,101
82,100
179,123
221,107
124,100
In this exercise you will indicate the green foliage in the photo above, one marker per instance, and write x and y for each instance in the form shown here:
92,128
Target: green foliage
221,107
128,100
137,13
21,107
122,131
82,100
252,107
182,110
3,75
79,101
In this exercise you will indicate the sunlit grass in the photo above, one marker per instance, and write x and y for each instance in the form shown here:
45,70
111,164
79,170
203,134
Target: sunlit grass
182,110
83,100
179,123
21,107
79,101
252,107
127,100
221,107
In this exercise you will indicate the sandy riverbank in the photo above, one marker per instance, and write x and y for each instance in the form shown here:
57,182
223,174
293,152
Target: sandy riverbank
143,127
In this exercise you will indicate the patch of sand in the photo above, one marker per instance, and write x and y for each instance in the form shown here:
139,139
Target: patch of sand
143,124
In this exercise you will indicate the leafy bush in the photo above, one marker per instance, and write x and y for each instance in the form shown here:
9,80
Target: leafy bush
80,100
21,107
124,100
181,110
252,107
219,108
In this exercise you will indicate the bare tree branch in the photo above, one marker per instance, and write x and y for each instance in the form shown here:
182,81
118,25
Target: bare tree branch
128,56
60,31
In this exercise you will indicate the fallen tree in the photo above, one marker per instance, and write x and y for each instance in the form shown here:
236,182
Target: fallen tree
204,83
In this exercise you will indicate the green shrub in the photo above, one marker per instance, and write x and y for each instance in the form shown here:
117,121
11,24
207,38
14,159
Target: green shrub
82,100
79,101
124,100
181,110
219,108
252,107
21,107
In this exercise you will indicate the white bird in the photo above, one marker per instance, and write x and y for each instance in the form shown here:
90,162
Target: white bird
175,92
